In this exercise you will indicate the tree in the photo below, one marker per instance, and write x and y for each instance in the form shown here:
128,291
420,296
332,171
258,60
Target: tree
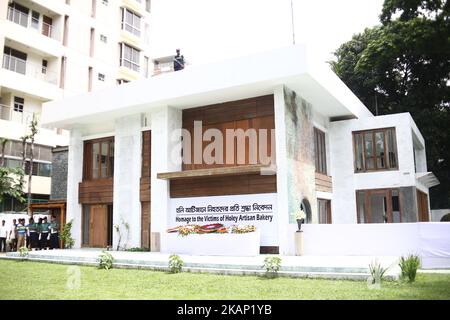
33,132
403,65
3,143
11,179
11,183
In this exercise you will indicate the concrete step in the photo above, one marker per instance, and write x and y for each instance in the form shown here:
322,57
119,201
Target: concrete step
355,268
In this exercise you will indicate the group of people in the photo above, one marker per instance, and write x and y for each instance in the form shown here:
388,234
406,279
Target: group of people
41,235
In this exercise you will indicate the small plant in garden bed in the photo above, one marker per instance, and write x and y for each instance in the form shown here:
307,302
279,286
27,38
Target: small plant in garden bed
377,271
106,260
272,266
175,263
409,266
23,252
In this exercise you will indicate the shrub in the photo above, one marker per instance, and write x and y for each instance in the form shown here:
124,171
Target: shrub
272,266
106,260
175,263
66,235
23,252
409,266
377,271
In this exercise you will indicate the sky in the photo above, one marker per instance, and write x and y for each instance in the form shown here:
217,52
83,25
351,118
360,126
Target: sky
214,30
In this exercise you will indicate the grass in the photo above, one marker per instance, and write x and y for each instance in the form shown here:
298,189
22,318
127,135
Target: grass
33,280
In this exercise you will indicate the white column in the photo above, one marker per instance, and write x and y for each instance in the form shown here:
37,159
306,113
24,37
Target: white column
127,174
164,122
74,177
282,166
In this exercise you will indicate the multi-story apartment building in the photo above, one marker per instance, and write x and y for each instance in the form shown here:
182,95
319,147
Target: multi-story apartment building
54,49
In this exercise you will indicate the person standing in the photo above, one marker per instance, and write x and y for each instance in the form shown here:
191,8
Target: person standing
3,236
44,234
33,234
21,233
54,233
13,236
178,61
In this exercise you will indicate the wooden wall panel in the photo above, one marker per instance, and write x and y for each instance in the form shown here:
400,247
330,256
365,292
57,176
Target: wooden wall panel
145,224
216,186
324,183
145,189
257,113
145,184
96,191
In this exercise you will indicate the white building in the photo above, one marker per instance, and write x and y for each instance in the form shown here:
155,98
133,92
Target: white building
55,49
332,156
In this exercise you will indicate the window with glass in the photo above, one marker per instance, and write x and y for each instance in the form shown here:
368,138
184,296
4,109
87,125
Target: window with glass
320,151
18,14
14,60
131,22
375,150
18,104
324,209
129,57
378,206
99,159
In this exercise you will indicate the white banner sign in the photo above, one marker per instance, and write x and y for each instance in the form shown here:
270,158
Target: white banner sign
253,209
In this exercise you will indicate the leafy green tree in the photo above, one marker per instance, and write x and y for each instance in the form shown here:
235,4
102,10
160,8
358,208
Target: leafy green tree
11,183
403,65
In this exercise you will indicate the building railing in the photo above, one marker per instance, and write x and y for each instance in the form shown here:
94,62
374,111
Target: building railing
24,20
29,69
24,117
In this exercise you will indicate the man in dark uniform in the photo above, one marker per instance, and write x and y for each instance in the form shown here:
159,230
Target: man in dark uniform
44,233
33,234
178,61
54,233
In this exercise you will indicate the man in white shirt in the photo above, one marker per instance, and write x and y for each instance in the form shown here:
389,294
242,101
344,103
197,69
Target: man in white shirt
3,235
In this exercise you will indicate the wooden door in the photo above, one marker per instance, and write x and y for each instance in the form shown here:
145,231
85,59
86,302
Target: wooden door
422,207
98,226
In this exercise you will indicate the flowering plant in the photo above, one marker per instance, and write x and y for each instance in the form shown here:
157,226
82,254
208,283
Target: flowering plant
243,229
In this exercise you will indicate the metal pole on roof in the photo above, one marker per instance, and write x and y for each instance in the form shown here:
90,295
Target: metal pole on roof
292,20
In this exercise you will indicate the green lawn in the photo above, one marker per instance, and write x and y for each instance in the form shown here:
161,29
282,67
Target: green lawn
32,280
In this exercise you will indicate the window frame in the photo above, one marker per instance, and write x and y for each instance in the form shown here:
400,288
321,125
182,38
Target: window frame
135,30
320,151
328,216
88,163
134,66
19,106
375,157
368,211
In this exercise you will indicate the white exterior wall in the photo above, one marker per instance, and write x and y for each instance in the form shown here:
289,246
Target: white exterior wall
127,174
74,177
346,181
164,122
282,174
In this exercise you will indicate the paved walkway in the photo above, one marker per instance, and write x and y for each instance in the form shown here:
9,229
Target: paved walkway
347,267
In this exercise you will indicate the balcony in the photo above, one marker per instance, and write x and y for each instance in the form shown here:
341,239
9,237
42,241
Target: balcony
23,117
27,21
29,69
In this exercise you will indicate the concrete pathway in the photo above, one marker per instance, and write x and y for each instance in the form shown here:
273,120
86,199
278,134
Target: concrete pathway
334,267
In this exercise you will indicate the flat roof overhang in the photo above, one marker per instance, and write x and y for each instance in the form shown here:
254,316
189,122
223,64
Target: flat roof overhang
201,85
